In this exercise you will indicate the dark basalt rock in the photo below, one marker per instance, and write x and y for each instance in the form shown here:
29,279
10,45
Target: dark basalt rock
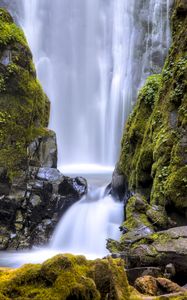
29,214
118,185
34,202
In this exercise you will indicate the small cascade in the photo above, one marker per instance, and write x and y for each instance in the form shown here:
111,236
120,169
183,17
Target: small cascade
88,224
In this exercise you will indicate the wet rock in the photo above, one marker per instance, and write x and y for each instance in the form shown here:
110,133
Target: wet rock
43,151
118,184
158,216
49,174
34,206
74,187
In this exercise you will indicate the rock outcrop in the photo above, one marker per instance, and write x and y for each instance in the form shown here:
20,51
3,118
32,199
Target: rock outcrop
33,193
34,205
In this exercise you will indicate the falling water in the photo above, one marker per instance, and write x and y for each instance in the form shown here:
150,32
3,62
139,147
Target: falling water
91,57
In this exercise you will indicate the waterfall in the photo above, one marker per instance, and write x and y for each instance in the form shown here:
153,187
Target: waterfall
91,57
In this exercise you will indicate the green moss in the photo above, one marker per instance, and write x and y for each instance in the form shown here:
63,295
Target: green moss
24,108
153,150
67,277
9,31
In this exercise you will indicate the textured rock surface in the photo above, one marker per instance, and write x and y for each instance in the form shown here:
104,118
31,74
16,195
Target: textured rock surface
29,214
153,154
67,277
24,107
161,249
157,286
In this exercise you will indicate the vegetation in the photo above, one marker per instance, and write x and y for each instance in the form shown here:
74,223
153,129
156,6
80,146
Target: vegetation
24,106
66,277
153,152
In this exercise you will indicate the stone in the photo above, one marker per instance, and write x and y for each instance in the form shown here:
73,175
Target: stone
6,57
43,151
169,271
49,174
158,216
146,285
118,184
167,286
135,273
35,200
76,186
160,249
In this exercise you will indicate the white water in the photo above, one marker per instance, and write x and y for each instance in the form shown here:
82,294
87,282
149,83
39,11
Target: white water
100,211
91,57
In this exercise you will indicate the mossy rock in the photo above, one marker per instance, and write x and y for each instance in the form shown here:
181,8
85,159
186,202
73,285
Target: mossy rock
66,277
154,145
24,107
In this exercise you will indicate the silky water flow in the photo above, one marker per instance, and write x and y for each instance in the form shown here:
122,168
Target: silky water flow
91,58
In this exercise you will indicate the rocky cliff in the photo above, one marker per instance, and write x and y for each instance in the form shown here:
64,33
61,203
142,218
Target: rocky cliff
153,163
33,193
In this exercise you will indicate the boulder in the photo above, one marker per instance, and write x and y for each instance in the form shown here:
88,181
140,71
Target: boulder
147,285
67,277
49,174
161,249
34,206
157,286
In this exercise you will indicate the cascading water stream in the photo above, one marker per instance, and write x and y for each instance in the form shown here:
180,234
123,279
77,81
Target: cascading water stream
91,58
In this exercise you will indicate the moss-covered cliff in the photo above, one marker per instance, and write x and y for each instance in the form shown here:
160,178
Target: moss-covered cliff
154,146
24,108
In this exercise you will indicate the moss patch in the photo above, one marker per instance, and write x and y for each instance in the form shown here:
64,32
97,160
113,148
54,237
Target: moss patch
154,149
67,277
24,108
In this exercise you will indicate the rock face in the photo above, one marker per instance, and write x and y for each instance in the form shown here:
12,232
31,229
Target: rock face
153,154
33,193
153,163
30,212
24,108
67,277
